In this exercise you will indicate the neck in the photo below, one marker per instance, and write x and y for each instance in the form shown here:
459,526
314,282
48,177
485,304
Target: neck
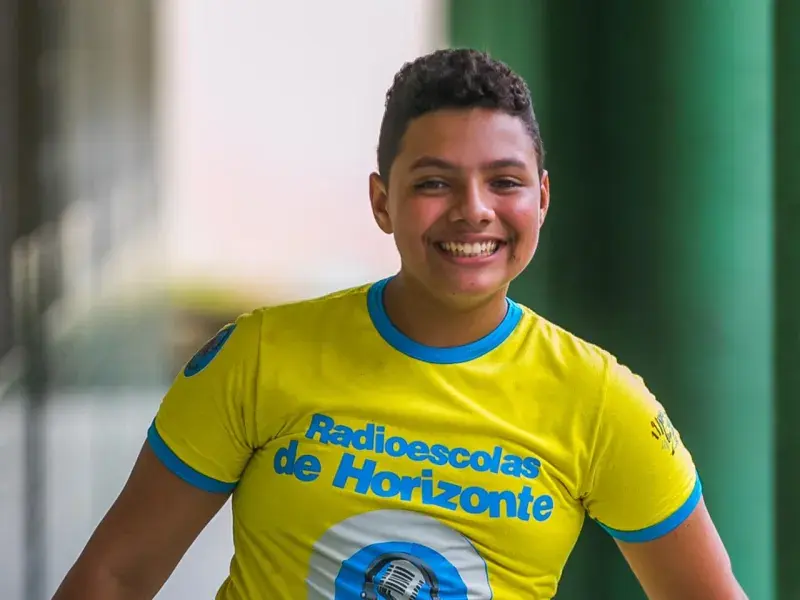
429,321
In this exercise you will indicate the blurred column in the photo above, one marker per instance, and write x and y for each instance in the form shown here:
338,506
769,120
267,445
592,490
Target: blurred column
787,224
716,240
659,126
8,136
31,178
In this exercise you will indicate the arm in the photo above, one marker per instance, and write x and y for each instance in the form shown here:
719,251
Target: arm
143,537
689,563
196,451
644,490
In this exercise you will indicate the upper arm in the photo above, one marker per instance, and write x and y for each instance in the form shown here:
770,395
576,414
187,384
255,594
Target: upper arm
196,450
689,563
206,428
143,536
643,489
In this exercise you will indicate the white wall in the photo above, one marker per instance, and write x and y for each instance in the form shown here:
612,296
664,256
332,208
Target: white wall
269,121
91,442
270,118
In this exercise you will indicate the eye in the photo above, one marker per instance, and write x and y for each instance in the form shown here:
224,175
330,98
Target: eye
506,183
431,185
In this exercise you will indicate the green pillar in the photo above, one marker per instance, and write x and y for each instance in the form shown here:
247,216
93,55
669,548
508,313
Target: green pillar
658,122
715,235
787,271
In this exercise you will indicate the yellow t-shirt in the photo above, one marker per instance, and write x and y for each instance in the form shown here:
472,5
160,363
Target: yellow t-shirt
366,465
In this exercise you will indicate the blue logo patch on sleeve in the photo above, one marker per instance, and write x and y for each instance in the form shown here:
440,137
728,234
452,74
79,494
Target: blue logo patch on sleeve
207,353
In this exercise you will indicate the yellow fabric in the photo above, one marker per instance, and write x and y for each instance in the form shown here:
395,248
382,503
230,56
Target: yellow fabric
472,477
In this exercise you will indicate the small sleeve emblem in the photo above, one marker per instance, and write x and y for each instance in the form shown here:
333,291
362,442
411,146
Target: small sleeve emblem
663,431
207,353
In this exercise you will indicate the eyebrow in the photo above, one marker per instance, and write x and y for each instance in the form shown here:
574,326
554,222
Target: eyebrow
440,163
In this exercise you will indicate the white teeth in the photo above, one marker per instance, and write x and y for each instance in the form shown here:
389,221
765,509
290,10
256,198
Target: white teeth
474,249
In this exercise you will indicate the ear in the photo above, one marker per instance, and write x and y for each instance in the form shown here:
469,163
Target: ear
379,198
544,197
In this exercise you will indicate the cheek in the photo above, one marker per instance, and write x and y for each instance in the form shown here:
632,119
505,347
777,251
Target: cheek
413,218
524,220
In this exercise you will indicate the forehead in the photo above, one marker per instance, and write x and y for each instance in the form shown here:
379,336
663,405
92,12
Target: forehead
467,137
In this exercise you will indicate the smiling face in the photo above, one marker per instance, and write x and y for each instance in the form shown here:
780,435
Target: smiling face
465,202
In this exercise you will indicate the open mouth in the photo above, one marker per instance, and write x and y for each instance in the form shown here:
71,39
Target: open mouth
470,250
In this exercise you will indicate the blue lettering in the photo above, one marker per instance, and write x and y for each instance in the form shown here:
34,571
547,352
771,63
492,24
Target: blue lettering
512,466
530,467
396,447
380,438
347,470
418,451
439,454
362,475
496,501
455,462
543,508
407,487
427,486
474,500
284,459
442,500
321,426
363,438
448,492
481,461
525,499
497,455
373,437
385,484
305,468
341,436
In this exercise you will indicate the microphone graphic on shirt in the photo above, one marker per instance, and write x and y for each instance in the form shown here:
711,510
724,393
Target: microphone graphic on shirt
399,576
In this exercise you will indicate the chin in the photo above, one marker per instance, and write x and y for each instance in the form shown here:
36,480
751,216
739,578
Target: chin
471,288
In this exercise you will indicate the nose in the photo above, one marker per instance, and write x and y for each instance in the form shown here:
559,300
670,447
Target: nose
473,205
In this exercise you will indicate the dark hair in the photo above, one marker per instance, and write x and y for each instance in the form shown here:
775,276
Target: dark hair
460,78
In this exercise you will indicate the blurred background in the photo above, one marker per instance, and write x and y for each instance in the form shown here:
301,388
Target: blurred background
166,165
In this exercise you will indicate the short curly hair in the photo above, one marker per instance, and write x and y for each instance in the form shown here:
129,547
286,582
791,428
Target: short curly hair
454,78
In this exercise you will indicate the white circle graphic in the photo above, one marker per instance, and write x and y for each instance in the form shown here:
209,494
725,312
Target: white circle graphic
395,555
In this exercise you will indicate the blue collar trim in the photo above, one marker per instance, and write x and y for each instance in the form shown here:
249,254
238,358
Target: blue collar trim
442,356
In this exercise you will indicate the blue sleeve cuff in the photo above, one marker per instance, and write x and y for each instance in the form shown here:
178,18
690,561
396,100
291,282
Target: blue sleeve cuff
661,529
173,462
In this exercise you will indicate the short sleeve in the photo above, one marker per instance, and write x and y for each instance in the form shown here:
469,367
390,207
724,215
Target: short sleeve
642,482
204,430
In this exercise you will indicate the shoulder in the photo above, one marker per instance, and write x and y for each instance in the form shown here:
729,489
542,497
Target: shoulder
242,339
565,356
277,329
599,387
342,307
613,402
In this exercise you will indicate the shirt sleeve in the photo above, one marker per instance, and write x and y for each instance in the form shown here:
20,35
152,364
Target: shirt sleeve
205,429
642,480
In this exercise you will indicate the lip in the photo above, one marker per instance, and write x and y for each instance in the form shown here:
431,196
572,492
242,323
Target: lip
471,261
474,238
